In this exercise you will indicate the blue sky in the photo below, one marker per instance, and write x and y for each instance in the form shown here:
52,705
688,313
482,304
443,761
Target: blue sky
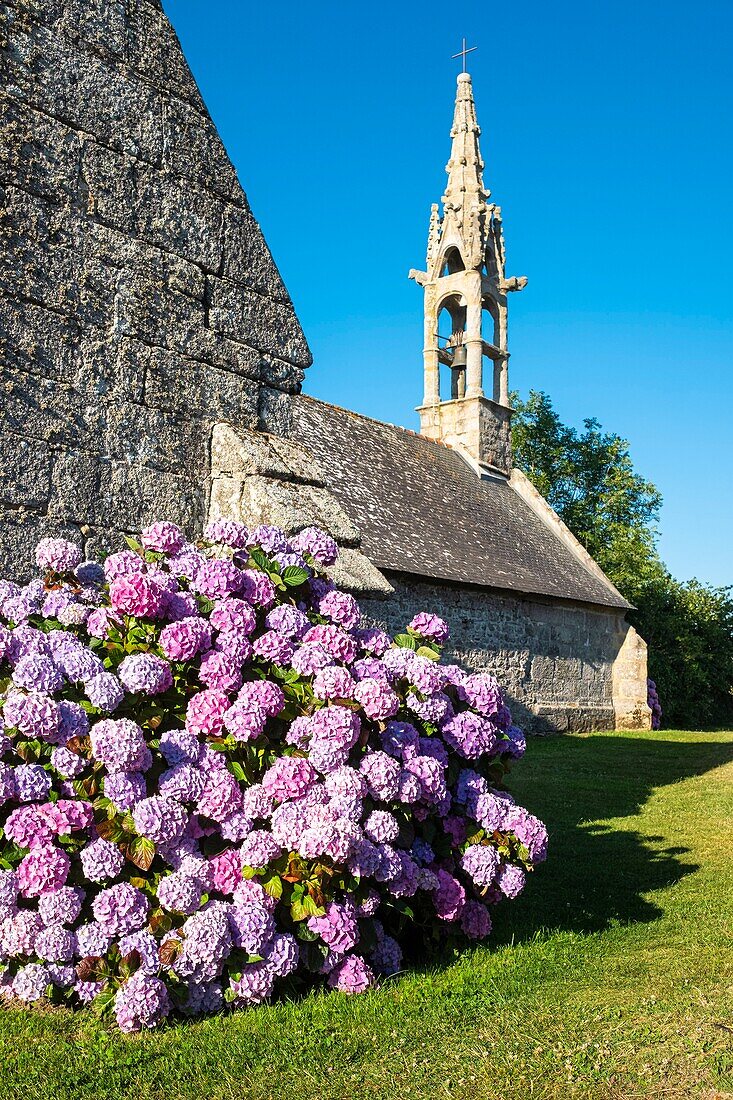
607,141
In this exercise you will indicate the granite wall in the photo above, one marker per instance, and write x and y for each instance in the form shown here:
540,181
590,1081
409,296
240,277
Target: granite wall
555,659
139,302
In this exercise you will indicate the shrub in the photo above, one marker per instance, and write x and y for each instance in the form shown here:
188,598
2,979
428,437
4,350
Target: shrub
213,780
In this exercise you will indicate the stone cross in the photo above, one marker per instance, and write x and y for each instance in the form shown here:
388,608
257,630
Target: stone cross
462,53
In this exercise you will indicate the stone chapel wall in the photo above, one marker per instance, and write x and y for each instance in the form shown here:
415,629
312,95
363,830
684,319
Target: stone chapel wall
139,302
555,660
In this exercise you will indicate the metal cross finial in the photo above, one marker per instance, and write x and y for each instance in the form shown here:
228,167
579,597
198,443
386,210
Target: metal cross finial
462,53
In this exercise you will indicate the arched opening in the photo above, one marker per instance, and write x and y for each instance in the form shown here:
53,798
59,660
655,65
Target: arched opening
451,348
452,262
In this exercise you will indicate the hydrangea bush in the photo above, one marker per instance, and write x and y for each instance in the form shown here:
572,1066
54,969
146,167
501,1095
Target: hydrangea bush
652,698
214,781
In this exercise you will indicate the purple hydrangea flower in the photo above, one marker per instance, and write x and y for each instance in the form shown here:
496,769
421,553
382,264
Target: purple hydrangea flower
430,626
160,819
180,893
145,673
308,659
38,672
124,789
321,547
340,608
61,906
33,715
182,640
334,640
228,532
44,868
481,862
121,908
511,880
475,920
470,735
377,698
353,975
101,860
337,927
289,777
31,981
60,555
55,944
120,744
104,691
275,647
163,537
32,782
142,1002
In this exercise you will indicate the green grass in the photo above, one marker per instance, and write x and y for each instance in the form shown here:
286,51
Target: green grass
612,977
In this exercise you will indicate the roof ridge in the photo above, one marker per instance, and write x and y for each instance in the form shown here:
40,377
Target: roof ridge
375,420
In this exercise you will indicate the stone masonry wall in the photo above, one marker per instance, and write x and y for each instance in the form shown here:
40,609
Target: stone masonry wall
139,302
554,660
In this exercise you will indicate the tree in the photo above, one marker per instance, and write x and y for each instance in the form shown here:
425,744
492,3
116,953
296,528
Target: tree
589,479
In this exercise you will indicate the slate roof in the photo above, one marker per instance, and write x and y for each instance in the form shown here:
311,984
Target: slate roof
422,510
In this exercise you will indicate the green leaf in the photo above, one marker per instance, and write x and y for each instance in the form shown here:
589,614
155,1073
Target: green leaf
298,910
141,852
429,652
273,886
294,575
405,641
237,770
311,908
261,559
133,543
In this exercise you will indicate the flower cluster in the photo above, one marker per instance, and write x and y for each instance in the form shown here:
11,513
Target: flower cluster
652,698
213,779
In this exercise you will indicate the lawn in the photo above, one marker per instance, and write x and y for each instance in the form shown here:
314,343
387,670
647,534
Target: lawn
612,977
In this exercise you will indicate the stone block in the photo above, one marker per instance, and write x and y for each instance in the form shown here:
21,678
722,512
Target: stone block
26,472
265,324
294,507
134,496
76,477
247,259
39,409
275,413
37,153
153,51
190,388
283,376
243,454
98,25
175,215
108,186
37,341
211,347
149,311
159,439
41,255
194,150
84,91
298,459
224,498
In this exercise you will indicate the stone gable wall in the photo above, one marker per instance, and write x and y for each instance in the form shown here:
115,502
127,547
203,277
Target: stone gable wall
555,660
139,303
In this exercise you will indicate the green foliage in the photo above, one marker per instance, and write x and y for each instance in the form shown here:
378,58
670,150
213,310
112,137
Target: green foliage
589,479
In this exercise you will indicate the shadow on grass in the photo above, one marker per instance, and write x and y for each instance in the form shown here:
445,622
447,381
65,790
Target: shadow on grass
596,876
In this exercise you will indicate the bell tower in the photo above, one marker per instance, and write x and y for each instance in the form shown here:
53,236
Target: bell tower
465,289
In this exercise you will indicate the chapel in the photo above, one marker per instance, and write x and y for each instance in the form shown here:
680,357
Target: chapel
153,367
